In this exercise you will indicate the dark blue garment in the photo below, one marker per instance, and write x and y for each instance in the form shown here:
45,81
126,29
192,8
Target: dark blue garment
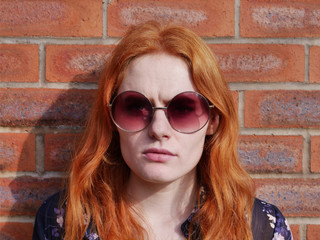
267,222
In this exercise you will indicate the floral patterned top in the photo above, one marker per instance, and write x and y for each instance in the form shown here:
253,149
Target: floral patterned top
267,223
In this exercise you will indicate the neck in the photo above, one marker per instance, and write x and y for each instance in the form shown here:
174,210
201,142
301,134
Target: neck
161,208
173,199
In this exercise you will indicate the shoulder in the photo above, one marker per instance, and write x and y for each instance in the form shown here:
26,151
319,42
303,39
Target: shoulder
54,201
49,222
269,223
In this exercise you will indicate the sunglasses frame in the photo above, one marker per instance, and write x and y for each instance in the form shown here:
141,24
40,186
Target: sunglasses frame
210,106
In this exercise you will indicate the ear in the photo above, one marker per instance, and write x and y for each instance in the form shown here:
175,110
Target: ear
213,123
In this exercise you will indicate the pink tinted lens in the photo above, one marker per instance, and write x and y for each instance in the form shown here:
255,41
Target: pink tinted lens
188,112
131,111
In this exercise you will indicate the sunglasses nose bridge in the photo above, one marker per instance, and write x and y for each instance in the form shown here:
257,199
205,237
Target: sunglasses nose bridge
165,109
160,108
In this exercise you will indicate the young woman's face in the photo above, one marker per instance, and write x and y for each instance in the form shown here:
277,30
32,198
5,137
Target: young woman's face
158,153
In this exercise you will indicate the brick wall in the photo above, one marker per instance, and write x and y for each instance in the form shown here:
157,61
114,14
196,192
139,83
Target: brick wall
51,54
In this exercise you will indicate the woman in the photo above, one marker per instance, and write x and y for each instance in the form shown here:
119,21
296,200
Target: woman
159,158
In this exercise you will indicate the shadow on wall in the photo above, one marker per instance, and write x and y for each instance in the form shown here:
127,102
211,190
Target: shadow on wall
53,120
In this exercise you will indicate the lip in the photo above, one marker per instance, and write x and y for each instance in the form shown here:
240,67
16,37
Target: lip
158,155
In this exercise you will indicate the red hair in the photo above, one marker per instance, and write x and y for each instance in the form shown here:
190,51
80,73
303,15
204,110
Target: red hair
99,175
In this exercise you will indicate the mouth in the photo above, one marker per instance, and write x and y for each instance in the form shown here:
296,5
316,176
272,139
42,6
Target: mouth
158,155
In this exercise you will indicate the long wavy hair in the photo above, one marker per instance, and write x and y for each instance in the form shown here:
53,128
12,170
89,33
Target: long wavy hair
96,192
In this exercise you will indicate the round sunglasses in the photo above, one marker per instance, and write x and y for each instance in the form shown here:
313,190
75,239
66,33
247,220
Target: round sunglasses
187,112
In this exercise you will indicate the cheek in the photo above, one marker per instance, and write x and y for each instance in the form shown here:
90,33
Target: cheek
129,145
125,145
193,146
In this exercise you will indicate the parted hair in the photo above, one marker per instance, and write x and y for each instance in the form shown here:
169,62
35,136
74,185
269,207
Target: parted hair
96,191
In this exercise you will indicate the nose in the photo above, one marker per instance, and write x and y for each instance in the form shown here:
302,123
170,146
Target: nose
159,127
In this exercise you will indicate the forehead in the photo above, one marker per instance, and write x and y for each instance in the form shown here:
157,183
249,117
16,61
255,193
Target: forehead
158,74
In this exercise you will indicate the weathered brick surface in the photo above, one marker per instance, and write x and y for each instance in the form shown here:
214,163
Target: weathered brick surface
51,18
313,232
281,18
294,197
59,149
315,154
295,231
260,63
271,153
17,152
15,230
314,74
62,44
75,63
50,107
207,18
270,109
24,195
19,62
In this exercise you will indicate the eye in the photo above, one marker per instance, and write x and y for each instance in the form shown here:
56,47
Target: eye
182,107
136,106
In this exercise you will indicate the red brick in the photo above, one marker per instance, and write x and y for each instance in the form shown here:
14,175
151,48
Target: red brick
313,232
314,72
24,195
71,18
75,63
271,153
17,152
59,149
19,62
294,197
280,108
260,62
280,18
15,230
295,229
207,18
315,154
49,107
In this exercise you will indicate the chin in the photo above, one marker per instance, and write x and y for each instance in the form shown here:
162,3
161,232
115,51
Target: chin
161,179
158,179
